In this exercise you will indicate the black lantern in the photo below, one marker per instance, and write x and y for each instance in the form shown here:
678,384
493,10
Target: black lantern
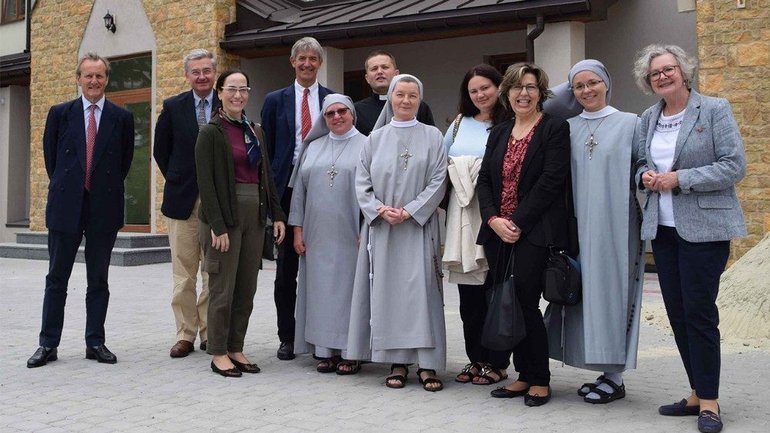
109,22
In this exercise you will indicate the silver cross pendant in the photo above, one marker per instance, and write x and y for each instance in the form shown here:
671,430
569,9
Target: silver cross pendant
406,155
590,144
332,172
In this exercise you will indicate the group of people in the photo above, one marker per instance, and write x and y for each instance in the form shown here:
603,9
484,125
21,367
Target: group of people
352,191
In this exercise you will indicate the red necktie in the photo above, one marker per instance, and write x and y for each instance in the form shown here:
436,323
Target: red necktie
90,143
306,121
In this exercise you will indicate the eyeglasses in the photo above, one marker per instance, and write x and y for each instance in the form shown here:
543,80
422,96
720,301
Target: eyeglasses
666,70
234,90
530,88
340,112
199,72
590,84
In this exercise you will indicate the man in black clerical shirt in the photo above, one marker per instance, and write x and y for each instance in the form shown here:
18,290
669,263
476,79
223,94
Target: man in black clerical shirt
380,70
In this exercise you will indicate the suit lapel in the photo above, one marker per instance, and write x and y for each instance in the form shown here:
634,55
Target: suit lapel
534,145
191,118
651,125
691,114
77,123
104,133
288,102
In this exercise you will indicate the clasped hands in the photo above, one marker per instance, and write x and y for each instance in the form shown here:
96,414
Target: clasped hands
505,229
222,242
393,215
660,182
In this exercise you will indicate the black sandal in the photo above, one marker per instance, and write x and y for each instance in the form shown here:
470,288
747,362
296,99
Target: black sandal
590,385
429,380
484,374
617,393
353,367
328,365
467,374
400,379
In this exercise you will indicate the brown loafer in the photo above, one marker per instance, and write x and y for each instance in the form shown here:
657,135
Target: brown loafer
181,349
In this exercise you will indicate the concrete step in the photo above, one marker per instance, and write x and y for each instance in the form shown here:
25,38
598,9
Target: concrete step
124,240
120,256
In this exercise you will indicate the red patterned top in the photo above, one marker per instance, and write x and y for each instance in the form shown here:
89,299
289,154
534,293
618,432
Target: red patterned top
512,162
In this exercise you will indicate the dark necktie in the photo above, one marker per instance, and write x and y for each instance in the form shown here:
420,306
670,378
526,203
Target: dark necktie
202,112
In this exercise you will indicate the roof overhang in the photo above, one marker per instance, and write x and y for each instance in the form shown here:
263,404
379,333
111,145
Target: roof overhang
15,69
269,27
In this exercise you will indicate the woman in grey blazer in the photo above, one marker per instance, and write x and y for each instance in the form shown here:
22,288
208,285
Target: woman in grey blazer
691,157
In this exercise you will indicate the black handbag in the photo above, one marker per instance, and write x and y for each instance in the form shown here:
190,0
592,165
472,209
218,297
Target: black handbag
561,279
504,323
268,247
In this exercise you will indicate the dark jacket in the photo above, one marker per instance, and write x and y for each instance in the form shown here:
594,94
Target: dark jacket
542,183
216,179
174,152
64,150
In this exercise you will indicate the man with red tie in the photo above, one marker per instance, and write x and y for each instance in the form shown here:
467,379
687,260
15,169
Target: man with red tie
287,116
88,145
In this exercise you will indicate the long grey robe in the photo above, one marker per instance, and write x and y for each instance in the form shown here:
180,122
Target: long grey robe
602,332
329,216
397,316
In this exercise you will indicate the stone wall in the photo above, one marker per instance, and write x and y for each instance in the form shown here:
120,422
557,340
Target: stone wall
58,27
734,56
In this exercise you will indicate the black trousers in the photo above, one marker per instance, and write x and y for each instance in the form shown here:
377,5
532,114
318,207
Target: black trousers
689,273
285,291
530,356
62,249
473,310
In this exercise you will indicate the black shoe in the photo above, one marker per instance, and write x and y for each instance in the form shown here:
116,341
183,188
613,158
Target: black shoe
286,351
101,354
245,368
42,356
502,392
536,400
709,422
230,372
204,344
679,409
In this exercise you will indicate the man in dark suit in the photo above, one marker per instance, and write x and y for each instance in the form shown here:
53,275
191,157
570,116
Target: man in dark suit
175,135
287,115
380,69
88,145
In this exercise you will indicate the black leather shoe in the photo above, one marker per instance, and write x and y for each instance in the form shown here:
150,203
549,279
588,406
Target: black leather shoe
536,400
286,351
101,354
502,392
204,344
230,372
42,356
709,422
679,409
245,368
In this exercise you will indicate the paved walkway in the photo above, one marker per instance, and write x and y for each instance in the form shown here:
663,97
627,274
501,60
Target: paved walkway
147,391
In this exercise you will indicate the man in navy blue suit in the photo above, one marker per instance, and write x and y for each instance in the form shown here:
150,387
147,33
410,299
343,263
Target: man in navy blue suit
88,145
175,135
287,115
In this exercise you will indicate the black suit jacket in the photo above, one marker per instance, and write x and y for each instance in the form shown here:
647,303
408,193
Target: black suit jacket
542,183
174,151
64,149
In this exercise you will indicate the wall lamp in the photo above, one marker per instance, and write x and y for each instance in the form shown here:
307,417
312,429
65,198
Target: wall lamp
109,22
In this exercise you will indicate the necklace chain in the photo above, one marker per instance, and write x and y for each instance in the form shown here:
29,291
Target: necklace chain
591,142
405,154
332,172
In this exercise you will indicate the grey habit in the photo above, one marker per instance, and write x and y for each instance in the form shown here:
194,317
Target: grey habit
602,332
397,313
327,211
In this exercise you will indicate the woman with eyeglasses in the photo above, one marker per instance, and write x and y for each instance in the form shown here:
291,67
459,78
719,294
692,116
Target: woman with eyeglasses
325,218
236,191
691,158
602,332
521,189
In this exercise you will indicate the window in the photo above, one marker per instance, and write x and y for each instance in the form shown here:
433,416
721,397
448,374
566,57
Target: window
13,10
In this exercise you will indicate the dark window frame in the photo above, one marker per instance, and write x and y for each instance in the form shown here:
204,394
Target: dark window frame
20,12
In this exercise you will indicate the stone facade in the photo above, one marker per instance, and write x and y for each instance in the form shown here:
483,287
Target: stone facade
734,57
179,26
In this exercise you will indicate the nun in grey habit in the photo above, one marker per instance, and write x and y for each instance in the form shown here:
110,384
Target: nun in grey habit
325,216
602,332
397,314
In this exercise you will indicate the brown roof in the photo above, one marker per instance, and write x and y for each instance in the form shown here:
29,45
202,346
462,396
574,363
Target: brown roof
268,27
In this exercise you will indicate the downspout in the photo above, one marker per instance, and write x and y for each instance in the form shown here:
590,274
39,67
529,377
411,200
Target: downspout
531,36
28,19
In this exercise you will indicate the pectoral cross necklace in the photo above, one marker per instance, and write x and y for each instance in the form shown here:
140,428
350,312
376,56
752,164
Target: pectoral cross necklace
591,142
332,171
405,154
